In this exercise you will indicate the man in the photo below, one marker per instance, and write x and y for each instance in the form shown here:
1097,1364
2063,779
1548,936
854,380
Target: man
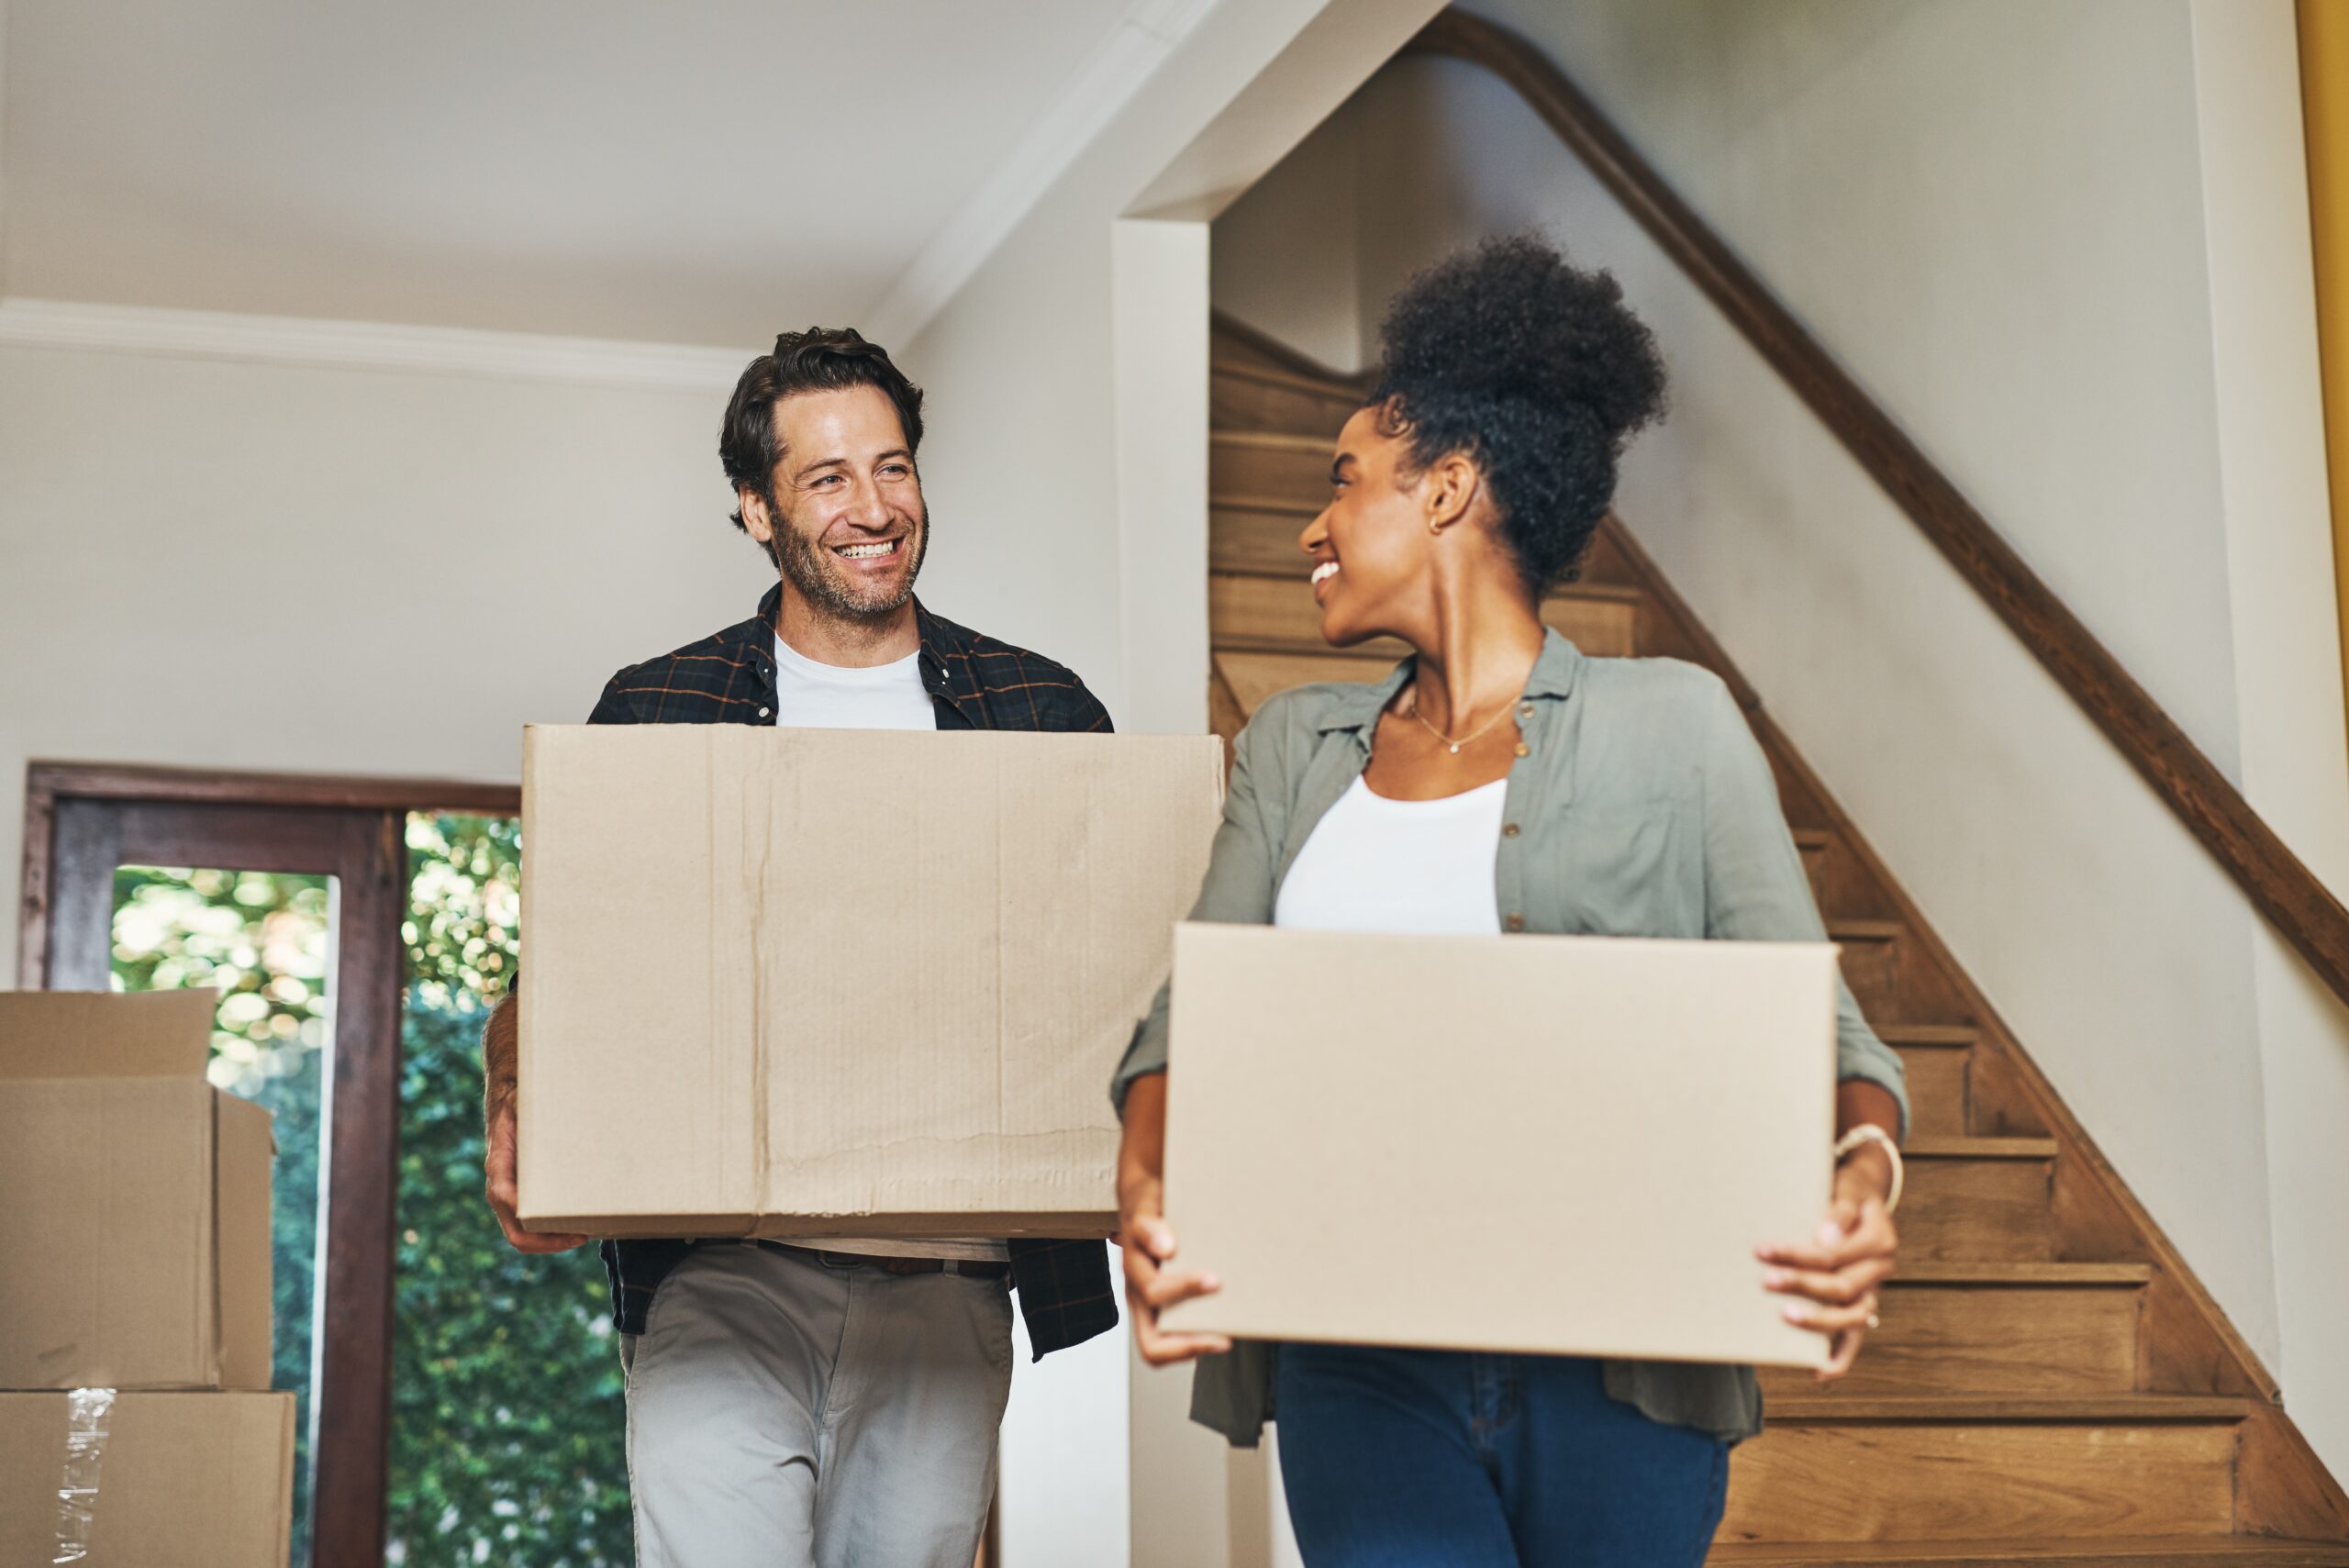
788,1406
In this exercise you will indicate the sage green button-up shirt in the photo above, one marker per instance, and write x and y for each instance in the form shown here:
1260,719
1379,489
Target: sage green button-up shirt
1641,807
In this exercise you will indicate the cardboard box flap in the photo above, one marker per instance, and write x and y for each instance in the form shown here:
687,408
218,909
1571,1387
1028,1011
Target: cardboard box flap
244,1158
98,1034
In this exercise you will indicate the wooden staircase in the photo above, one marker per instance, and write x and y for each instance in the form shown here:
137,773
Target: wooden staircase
2049,1385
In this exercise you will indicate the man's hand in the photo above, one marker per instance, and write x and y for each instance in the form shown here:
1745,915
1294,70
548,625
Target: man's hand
499,1049
502,1194
1836,1273
1148,1241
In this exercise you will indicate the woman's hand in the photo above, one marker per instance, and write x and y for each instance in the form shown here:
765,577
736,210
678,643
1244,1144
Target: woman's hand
1147,1241
1834,1277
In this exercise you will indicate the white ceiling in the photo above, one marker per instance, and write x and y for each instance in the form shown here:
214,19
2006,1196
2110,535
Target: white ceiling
705,171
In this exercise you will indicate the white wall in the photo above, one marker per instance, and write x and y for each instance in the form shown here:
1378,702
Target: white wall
2058,243
207,563
1287,254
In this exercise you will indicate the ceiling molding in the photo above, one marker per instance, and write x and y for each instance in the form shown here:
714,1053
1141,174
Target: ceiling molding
1147,33
367,345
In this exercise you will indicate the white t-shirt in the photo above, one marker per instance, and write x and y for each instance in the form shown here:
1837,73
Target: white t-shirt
814,695
1414,867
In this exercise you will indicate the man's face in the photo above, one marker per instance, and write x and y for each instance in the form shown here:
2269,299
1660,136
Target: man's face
846,525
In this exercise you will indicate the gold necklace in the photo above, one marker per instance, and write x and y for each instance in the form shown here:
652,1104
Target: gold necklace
1448,740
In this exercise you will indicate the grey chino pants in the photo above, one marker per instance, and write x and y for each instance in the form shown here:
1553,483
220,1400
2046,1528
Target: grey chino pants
786,1413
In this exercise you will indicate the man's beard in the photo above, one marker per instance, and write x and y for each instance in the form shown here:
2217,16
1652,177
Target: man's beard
816,571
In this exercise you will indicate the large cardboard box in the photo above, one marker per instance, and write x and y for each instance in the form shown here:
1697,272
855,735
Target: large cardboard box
134,1235
799,983
147,1480
1568,1145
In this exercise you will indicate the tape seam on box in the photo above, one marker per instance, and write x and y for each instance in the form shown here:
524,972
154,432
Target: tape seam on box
88,1412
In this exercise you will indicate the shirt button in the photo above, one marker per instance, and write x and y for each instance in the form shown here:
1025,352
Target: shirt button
1509,829
1523,749
1525,712
1515,922
762,712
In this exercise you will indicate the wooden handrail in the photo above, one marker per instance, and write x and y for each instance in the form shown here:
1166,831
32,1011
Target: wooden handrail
2284,890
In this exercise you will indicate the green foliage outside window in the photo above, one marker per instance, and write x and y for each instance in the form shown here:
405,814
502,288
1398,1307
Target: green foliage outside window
508,1427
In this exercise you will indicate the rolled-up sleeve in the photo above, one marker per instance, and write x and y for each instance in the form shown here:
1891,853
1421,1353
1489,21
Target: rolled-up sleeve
1756,889
1236,890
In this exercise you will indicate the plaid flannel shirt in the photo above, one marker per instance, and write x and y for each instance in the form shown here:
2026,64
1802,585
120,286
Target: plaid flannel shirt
975,683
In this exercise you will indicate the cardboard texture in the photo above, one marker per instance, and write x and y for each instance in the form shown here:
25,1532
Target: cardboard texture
188,1480
799,983
134,1243
1580,1140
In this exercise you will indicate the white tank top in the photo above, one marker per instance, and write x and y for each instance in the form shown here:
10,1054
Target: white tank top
1411,867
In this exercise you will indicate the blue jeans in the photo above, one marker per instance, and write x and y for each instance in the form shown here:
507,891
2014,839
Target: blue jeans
1439,1459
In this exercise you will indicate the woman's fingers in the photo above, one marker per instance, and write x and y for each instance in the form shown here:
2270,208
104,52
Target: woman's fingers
1842,1352
1837,1288
1171,1287
1846,1237
1161,1347
1821,1319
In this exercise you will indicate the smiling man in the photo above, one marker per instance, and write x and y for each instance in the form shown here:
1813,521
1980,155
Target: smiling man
788,1407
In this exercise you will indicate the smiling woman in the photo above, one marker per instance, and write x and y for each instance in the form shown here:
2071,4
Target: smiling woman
1433,802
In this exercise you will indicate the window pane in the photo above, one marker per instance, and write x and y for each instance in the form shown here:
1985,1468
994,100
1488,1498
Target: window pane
507,1424
264,941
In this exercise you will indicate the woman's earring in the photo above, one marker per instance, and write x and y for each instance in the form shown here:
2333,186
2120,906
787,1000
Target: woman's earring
1434,527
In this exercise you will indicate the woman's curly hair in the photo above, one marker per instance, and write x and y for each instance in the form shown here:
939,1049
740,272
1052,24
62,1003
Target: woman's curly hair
1534,369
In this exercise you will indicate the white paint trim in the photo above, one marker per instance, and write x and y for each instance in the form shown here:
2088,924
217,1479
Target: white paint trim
367,345
1159,340
4,148
1110,78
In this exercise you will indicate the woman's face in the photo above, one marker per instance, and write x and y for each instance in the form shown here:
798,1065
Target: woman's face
1370,544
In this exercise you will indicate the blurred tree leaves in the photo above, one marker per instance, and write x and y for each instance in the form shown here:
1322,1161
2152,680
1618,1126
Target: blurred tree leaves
507,1422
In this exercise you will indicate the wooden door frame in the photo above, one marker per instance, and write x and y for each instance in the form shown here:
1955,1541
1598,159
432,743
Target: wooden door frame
352,829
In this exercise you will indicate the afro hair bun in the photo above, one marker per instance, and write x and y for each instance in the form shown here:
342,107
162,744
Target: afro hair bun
1535,368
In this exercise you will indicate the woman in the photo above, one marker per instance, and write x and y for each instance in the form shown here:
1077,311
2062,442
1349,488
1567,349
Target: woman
1470,484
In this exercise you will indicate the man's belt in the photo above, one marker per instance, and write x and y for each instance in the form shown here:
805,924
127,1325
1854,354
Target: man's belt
971,1268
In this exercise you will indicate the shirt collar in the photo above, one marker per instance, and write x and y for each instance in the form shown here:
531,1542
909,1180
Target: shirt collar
945,667
1554,675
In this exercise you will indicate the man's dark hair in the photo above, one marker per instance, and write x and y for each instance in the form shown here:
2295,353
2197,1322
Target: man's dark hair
1534,369
822,358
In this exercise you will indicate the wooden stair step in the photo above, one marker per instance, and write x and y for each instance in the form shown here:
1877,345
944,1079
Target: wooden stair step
1977,1199
1277,614
1843,885
1923,1148
2156,1552
1950,1037
1939,1059
1257,534
1247,397
1266,462
1999,1274
2010,1409
1963,1468
1254,677
1894,980
2008,1329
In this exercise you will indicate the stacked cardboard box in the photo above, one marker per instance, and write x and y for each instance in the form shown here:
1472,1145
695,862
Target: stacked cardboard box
136,1424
